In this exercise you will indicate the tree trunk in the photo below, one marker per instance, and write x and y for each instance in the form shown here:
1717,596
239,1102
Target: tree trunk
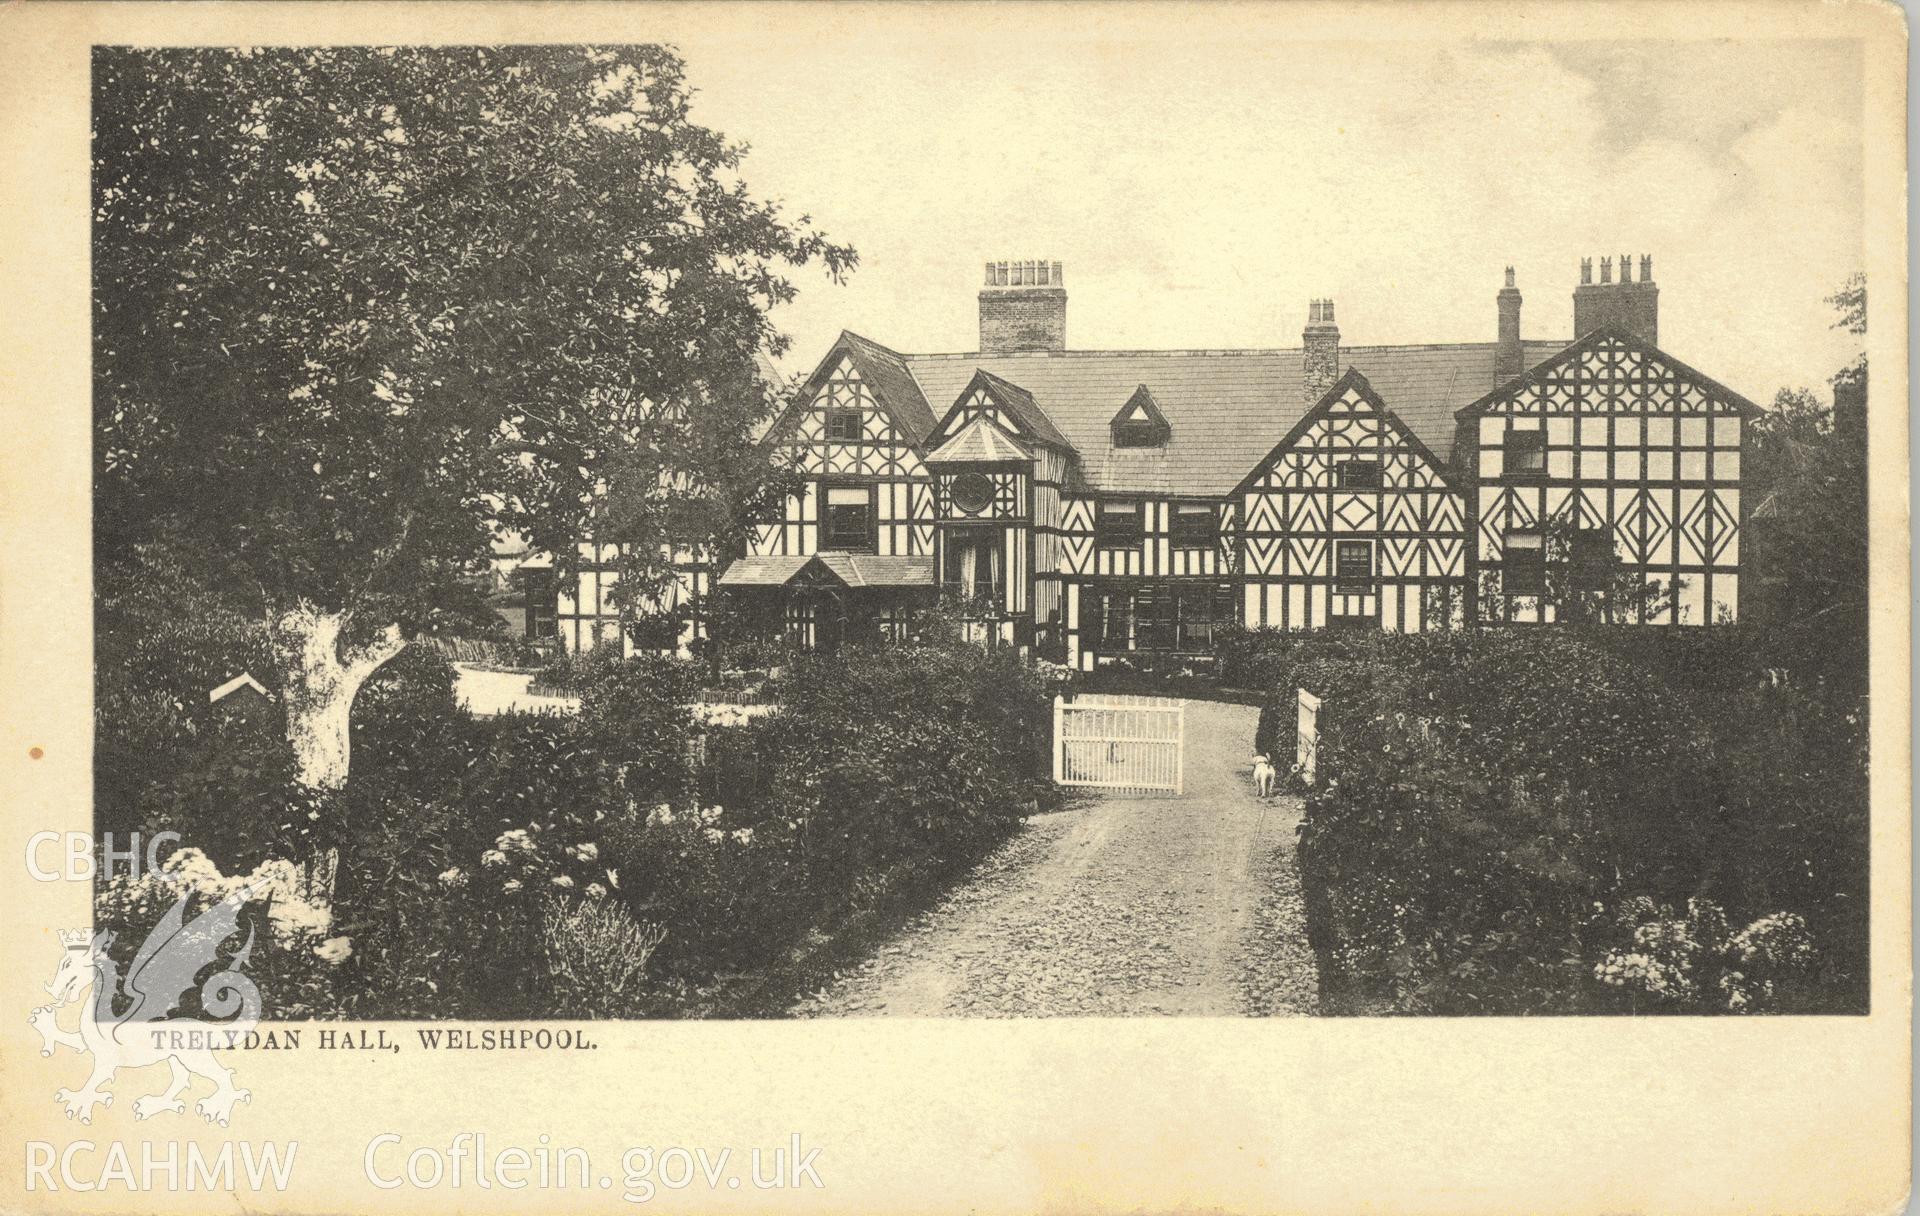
318,683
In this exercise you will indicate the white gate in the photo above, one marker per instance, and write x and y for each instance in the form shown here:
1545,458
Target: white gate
1120,743
1306,745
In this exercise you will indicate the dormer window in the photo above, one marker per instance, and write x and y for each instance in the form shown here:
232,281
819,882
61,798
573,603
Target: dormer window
1140,424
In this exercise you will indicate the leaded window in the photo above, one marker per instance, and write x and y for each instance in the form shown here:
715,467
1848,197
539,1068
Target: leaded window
1353,567
1196,525
1117,524
849,519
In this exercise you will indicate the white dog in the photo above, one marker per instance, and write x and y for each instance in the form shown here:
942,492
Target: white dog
1264,776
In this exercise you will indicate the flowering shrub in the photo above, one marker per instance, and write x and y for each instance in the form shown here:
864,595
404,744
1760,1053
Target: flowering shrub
1694,964
596,953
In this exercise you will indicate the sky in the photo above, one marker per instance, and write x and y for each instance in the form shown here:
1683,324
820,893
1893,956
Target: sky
1201,190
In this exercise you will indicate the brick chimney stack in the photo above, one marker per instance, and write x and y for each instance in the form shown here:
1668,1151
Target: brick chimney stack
1023,307
1320,351
1627,306
1508,358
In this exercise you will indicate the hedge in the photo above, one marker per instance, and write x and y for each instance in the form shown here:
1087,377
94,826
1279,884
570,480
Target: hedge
1564,820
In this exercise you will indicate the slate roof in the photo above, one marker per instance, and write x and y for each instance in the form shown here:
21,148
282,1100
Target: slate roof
887,375
980,440
1227,408
853,569
761,571
867,570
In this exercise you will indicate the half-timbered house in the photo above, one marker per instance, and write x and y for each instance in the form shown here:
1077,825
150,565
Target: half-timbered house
1619,456
1103,504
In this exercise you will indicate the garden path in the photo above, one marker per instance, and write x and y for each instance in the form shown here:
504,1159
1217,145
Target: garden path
1118,906
488,693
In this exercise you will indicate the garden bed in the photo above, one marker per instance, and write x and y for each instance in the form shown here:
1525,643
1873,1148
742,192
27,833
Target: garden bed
650,855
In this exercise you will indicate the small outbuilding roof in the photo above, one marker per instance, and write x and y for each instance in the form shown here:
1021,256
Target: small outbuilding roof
239,682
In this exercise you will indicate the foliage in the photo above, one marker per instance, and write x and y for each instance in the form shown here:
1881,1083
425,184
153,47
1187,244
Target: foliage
1807,543
357,310
884,765
1491,803
874,773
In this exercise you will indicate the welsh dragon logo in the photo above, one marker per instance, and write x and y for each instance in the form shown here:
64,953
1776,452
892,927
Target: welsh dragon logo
165,968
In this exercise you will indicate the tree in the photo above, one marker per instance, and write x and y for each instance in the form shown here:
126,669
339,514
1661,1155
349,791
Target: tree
358,309
1808,469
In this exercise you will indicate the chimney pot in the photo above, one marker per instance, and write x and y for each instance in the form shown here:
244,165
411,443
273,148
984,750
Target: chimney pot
1319,351
1508,354
1023,307
1627,307
1586,270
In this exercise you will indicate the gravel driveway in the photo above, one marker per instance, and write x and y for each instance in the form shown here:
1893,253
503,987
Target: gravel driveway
1119,906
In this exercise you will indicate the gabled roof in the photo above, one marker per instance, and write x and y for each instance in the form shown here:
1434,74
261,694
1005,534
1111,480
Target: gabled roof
885,372
1592,341
1016,401
851,569
243,680
1351,381
980,440
1141,407
1222,405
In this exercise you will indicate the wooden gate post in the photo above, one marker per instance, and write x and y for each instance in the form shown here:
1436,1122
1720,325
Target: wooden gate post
1180,751
1059,742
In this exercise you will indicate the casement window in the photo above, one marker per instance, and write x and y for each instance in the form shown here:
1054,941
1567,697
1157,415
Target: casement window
542,612
1357,475
970,567
843,426
1590,555
1154,617
1195,525
1113,620
1353,567
1525,454
1524,565
1177,616
847,521
1199,608
1116,524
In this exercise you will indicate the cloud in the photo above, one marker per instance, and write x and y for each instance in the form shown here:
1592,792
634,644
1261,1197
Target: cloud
1201,190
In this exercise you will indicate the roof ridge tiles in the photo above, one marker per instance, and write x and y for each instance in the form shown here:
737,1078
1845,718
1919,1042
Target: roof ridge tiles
1209,352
